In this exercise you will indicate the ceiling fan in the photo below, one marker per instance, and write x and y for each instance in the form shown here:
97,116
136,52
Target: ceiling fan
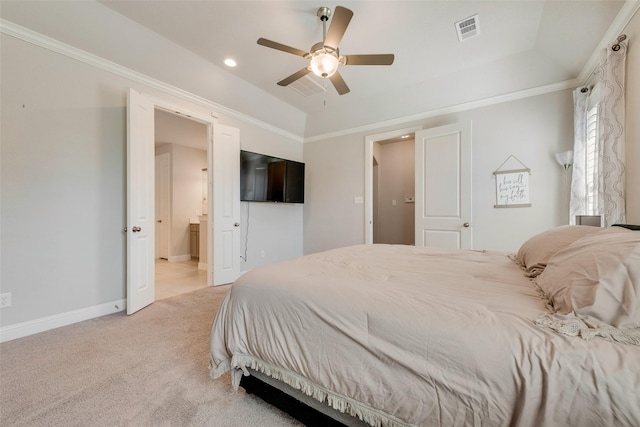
324,57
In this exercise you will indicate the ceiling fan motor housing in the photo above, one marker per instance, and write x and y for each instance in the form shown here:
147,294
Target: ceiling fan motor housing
324,13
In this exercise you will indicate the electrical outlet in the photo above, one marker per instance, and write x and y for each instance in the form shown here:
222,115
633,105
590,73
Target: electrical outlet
262,254
5,300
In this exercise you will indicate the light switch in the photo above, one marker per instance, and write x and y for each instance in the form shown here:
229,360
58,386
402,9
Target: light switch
358,200
393,202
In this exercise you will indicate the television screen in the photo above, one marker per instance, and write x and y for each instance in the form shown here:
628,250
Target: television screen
270,179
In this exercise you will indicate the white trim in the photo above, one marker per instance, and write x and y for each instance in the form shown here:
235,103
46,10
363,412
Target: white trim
180,258
513,96
30,36
625,15
160,102
19,330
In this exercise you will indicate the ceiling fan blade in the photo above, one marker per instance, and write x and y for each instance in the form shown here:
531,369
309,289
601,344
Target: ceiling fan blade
380,59
341,18
339,84
282,47
293,77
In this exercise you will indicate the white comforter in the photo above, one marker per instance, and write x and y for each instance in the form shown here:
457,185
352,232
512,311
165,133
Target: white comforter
399,335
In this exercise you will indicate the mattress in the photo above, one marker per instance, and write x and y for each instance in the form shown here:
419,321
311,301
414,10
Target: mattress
398,335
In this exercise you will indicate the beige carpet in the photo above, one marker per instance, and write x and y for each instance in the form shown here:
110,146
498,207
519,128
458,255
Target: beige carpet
149,369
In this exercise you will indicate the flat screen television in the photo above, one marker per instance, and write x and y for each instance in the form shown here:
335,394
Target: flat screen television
270,179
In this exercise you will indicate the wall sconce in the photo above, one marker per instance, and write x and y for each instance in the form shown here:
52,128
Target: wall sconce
565,159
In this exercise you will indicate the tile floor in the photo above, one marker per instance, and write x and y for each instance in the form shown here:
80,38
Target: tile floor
175,278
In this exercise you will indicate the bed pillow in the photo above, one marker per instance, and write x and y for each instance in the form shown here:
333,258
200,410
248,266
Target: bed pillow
534,254
597,278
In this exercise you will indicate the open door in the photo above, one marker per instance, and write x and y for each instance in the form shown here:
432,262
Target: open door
443,186
226,205
162,209
223,259
140,202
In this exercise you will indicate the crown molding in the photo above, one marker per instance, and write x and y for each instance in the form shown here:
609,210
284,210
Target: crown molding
403,120
627,12
622,19
30,36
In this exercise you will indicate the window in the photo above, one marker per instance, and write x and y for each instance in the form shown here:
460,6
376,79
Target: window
598,181
591,162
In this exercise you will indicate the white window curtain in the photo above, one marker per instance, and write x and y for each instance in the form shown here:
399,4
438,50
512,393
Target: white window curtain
598,179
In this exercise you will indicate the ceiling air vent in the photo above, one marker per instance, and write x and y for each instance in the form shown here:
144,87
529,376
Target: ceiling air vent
468,28
306,86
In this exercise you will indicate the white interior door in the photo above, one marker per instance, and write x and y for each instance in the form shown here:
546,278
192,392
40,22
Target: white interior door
443,186
163,195
140,202
225,254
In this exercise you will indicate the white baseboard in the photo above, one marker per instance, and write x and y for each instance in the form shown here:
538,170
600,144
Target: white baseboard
19,330
180,258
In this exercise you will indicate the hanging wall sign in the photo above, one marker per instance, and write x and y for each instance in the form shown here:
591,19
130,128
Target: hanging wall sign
512,186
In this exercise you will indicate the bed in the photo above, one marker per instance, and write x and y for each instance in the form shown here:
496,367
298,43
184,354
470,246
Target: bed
392,335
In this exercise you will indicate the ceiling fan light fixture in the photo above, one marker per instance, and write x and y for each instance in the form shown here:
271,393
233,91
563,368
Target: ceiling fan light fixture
324,64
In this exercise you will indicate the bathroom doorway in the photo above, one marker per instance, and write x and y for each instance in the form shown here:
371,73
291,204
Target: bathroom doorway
181,197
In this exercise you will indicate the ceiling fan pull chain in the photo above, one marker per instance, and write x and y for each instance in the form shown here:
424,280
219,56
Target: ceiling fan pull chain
326,88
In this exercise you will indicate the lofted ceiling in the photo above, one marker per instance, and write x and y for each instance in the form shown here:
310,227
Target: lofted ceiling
522,44
558,36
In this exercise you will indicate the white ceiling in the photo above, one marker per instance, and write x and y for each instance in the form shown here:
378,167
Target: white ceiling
523,44
559,35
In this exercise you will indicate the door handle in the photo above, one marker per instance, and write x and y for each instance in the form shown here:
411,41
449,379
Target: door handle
136,229
466,225
237,224
159,221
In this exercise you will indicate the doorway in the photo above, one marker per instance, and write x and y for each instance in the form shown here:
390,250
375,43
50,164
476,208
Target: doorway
370,144
223,183
181,196
394,190
442,200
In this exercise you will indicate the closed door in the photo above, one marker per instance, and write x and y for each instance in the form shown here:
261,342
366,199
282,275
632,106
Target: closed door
443,187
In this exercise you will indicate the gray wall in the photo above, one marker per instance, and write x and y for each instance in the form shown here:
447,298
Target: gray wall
63,185
395,223
63,168
532,129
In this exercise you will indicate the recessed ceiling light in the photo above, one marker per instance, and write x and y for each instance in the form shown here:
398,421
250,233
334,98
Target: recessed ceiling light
230,62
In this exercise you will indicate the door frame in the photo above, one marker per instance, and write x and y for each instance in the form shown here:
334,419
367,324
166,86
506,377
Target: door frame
168,221
210,122
369,140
